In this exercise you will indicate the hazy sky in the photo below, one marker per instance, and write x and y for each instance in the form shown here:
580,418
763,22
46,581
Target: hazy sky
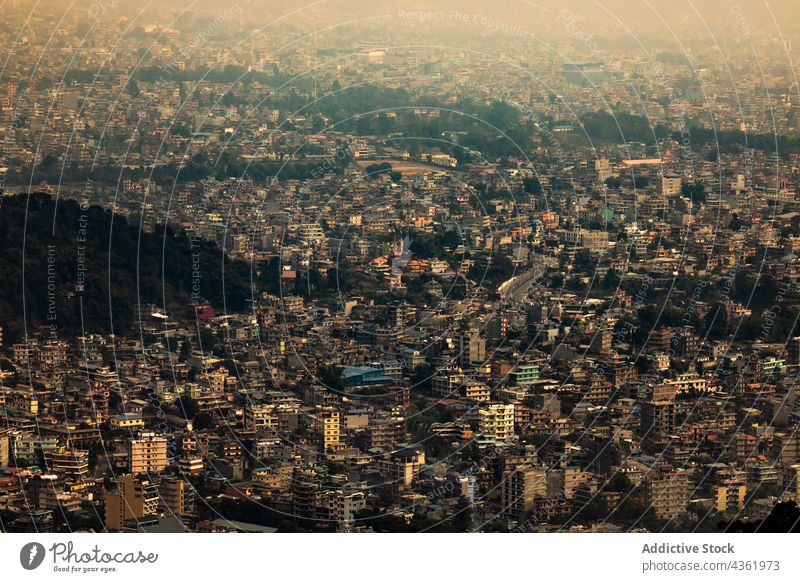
605,18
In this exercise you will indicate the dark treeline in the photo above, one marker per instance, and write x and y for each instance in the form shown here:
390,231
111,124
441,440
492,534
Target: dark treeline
168,174
44,242
784,517
624,127
621,127
736,141
228,74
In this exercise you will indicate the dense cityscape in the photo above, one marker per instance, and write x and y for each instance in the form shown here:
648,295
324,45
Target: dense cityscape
397,268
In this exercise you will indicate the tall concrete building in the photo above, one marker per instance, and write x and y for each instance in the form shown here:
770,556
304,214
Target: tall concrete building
341,506
133,499
403,465
5,447
670,186
72,463
658,410
306,493
731,495
147,454
793,351
471,347
667,492
604,169
496,419
326,424
521,487
175,496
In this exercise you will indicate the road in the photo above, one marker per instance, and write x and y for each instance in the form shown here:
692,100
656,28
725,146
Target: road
517,287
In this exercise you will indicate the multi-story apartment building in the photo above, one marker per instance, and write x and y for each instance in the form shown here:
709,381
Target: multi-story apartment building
658,411
147,454
521,487
72,463
667,492
342,506
175,495
133,499
496,420
403,466
326,425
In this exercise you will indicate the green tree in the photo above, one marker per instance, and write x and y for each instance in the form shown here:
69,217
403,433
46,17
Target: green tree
716,322
695,192
187,406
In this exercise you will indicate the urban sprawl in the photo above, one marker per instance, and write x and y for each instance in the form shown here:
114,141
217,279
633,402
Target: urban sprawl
384,284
